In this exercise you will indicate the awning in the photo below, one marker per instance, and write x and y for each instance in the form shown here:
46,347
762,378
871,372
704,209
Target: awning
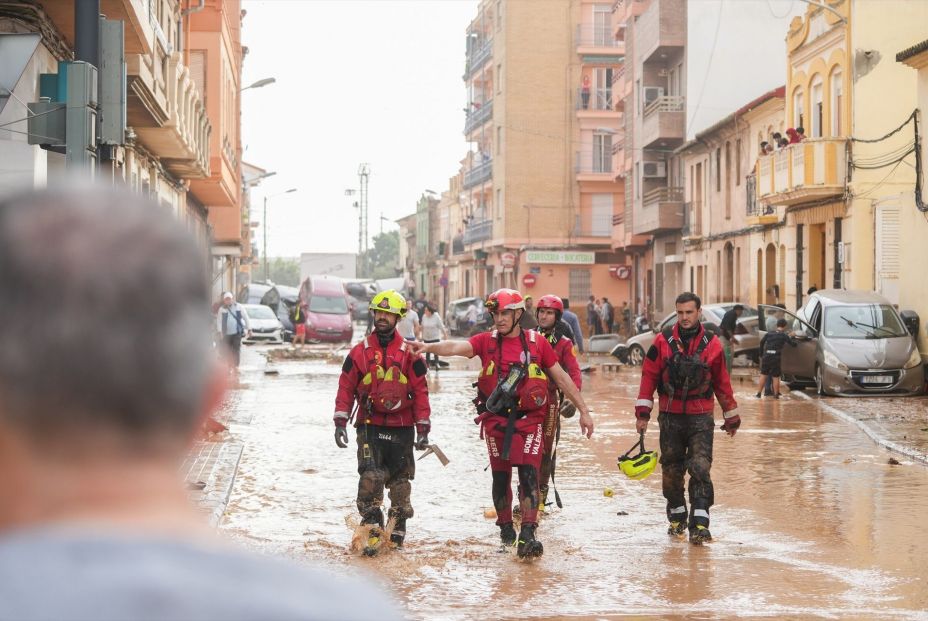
817,215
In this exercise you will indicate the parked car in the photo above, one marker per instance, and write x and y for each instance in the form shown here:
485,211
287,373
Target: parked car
852,343
746,340
360,293
328,315
289,297
265,326
456,317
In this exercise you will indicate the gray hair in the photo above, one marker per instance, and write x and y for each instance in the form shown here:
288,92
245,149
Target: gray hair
103,323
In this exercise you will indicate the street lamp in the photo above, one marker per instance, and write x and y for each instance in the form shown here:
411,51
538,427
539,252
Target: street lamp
261,83
264,220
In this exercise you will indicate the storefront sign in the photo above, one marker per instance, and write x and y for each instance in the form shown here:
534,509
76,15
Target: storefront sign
560,257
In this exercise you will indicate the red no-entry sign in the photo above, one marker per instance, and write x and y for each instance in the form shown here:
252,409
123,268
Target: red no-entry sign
529,280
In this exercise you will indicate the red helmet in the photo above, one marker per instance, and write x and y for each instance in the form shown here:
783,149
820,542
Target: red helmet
505,299
550,301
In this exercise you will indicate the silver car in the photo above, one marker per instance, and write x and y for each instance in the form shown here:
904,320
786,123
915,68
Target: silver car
746,339
265,326
851,343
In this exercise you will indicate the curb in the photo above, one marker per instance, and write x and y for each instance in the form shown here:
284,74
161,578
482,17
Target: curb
871,433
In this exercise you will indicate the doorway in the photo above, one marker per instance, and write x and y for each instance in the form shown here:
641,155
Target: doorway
770,271
817,261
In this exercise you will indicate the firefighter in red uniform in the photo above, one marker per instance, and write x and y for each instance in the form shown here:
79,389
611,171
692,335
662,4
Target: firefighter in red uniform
512,399
548,313
388,381
686,365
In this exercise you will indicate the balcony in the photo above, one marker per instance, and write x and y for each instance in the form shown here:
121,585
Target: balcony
478,232
664,124
594,164
593,225
478,117
181,138
662,210
661,30
478,57
478,174
692,219
598,43
756,212
813,169
597,100
623,11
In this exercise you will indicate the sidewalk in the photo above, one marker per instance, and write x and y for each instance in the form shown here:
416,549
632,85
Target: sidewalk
899,424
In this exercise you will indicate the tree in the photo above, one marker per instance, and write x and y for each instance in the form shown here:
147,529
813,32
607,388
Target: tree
283,271
384,255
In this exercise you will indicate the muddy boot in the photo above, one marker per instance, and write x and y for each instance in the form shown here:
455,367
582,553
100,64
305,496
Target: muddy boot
677,529
529,547
374,541
507,534
700,535
399,534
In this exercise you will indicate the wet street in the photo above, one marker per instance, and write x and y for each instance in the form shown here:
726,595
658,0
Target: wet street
810,517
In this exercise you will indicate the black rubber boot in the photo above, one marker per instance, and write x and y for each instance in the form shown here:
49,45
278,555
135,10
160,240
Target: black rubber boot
398,534
507,534
700,535
677,529
528,546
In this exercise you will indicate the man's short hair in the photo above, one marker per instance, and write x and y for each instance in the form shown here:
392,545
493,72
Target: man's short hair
739,307
566,302
689,296
105,319
782,323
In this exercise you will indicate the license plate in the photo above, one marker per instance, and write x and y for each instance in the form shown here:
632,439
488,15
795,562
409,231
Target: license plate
877,379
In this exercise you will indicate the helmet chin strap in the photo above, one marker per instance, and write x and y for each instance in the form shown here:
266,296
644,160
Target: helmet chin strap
515,323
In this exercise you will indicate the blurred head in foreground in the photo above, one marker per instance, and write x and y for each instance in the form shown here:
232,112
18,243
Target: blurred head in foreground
106,371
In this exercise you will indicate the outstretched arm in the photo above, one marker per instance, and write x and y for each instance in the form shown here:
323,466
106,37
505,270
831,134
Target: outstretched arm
563,381
445,348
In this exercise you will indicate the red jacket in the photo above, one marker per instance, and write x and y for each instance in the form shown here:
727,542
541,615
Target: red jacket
362,362
655,362
564,348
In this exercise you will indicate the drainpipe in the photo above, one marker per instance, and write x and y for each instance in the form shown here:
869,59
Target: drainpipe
201,4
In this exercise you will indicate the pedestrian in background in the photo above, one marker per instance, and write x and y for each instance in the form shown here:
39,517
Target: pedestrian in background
99,408
571,319
627,319
232,325
608,315
585,92
298,319
598,316
409,326
432,330
591,316
421,303
771,350
528,320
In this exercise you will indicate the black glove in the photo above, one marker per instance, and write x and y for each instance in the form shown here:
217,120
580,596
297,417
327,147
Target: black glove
422,437
341,437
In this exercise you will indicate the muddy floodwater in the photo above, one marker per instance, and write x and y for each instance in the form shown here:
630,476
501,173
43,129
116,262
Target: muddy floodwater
810,519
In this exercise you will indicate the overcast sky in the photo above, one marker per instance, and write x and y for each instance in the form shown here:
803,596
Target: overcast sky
380,82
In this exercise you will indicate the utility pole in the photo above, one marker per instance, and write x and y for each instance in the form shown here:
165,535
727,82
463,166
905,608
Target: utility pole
364,172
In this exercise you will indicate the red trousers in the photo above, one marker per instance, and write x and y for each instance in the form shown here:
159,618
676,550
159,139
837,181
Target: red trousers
525,455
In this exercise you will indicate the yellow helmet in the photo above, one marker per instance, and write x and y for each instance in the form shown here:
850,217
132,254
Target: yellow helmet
389,301
639,466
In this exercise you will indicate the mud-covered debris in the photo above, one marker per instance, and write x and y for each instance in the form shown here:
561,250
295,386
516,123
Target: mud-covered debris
489,514
893,461
608,492
622,513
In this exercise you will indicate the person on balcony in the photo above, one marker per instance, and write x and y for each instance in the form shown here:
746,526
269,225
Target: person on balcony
585,92
794,137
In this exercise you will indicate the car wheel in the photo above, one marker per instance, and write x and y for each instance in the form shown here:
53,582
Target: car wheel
820,381
635,355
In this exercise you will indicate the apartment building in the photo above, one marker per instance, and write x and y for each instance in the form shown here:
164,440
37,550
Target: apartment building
723,228
913,224
839,193
537,194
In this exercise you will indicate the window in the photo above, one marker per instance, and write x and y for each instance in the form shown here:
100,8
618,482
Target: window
603,86
718,169
499,203
638,94
601,215
602,152
837,101
580,284
817,107
738,162
637,180
798,111
602,25
499,15
499,140
499,79
728,181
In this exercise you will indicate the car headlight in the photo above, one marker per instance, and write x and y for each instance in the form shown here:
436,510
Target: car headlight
914,360
832,361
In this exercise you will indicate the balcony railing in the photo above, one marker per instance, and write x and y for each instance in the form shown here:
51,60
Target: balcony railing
692,219
618,74
593,162
667,103
478,57
814,168
478,232
479,116
663,195
595,99
597,36
478,174
600,225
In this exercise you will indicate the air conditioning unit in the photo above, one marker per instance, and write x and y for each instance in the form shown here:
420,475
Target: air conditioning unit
652,93
654,170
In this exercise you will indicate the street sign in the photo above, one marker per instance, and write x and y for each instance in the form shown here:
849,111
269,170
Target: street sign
529,280
507,259
621,272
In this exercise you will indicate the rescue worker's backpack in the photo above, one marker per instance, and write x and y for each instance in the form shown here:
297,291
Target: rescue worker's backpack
684,375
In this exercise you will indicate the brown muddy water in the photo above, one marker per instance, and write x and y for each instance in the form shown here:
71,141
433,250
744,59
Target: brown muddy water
810,519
